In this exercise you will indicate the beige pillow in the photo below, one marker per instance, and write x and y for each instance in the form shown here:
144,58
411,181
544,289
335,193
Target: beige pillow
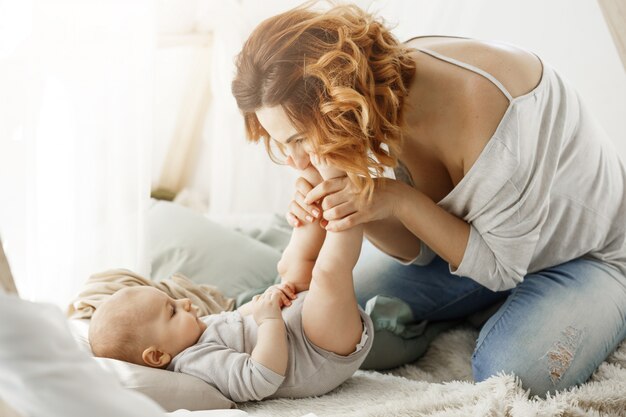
171,390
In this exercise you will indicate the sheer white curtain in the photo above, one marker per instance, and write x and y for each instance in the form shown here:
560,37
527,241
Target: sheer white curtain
239,175
75,130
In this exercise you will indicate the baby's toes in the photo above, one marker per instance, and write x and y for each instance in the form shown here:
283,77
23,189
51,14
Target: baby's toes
326,170
312,175
315,159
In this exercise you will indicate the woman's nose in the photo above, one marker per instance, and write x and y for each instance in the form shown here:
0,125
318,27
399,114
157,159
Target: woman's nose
300,159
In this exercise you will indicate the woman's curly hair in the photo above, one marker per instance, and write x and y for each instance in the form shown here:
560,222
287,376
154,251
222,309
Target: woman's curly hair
341,77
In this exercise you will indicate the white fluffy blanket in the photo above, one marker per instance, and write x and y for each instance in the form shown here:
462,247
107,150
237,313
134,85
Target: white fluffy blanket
439,384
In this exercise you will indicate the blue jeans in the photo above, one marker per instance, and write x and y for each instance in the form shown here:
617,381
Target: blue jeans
552,330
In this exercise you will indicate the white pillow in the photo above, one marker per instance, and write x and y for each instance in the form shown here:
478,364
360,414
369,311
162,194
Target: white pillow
44,374
171,390
7,411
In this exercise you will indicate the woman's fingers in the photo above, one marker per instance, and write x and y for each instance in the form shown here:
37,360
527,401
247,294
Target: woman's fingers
293,220
334,199
300,213
340,211
312,210
323,189
345,223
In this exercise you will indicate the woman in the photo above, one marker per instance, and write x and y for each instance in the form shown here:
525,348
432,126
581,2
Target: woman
506,189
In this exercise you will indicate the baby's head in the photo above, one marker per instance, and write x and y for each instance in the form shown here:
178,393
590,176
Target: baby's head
145,326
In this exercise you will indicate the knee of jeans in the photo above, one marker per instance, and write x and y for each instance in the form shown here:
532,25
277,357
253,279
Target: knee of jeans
497,353
370,280
489,360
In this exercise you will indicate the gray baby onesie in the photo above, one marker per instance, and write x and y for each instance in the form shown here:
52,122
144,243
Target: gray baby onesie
222,358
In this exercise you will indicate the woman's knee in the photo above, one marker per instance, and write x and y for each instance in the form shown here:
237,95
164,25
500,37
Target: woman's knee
540,372
488,361
537,335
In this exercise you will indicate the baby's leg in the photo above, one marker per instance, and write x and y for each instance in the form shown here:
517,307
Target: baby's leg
296,263
330,314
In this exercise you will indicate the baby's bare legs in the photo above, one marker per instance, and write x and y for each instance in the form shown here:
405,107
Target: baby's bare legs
296,263
330,314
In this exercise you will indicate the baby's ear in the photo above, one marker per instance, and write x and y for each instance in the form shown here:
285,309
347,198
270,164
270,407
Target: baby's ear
155,358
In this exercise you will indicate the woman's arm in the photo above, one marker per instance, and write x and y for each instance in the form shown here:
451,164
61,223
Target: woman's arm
416,215
392,237
387,234
446,234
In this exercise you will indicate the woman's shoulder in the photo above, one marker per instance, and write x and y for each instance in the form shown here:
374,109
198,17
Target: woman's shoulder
516,68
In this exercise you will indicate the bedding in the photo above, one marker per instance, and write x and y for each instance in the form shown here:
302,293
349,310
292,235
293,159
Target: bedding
98,287
44,374
183,241
171,390
439,384
7,411
240,261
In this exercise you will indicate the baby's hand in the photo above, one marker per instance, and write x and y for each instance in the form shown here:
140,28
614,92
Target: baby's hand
285,290
266,306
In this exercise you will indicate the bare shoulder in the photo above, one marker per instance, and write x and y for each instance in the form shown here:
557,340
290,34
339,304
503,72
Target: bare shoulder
517,69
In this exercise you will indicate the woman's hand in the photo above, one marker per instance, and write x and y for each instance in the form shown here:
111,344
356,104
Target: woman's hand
343,208
299,211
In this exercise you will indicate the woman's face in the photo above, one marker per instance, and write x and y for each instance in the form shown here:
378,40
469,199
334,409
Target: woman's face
294,145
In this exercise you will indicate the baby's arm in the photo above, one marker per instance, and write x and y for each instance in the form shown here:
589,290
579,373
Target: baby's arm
271,347
296,264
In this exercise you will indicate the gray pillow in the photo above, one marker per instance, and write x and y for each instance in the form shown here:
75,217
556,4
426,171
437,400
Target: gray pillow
181,240
276,232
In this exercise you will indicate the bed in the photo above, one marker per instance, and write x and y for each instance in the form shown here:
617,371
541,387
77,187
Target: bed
201,247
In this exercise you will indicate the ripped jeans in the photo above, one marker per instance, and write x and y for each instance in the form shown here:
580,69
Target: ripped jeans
553,330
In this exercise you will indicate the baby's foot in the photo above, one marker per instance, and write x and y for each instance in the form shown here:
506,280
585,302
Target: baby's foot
311,175
326,170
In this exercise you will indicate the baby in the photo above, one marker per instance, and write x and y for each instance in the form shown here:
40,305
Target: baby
301,338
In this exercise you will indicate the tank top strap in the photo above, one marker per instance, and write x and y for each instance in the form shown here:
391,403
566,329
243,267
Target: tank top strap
470,68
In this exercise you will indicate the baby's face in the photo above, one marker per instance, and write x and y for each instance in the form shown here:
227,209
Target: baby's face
172,325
